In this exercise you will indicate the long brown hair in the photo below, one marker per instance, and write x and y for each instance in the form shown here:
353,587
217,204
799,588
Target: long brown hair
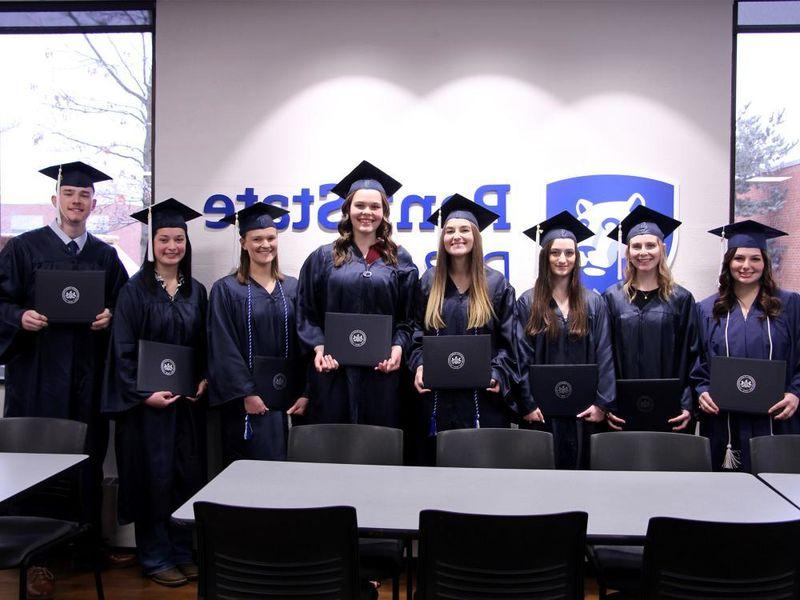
543,316
480,305
243,270
666,284
767,295
386,247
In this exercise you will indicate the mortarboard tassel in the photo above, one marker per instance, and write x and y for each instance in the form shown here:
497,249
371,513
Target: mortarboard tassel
432,425
536,262
248,428
732,460
58,197
722,249
237,247
619,252
150,256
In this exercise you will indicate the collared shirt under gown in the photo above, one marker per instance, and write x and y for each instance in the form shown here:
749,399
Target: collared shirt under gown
356,394
657,341
571,436
455,409
160,451
230,378
747,338
57,371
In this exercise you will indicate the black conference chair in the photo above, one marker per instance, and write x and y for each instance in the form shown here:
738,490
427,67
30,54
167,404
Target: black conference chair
485,556
347,443
495,449
619,567
276,552
697,559
775,454
24,539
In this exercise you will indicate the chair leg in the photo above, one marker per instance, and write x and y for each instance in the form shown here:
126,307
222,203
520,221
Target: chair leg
396,586
23,581
98,581
409,569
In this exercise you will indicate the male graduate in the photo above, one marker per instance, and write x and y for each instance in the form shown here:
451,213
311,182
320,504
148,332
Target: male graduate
56,369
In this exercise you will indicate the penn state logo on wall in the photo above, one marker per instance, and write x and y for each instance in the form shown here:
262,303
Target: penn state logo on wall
645,404
746,384
600,202
70,294
168,367
357,338
455,360
563,389
279,381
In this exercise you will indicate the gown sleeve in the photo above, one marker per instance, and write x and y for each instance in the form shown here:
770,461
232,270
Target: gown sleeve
14,264
689,340
229,374
311,302
525,353
116,277
404,312
414,358
606,382
701,375
504,360
793,360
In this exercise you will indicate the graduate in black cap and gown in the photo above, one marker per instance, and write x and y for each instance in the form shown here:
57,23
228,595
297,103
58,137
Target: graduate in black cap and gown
653,321
561,323
750,317
56,370
159,436
462,296
253,314
363,272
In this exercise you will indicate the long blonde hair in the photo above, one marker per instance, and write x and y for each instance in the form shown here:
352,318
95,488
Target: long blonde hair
666,285
480,305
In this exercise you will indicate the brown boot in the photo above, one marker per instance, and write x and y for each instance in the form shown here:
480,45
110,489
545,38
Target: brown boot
41,583
171,577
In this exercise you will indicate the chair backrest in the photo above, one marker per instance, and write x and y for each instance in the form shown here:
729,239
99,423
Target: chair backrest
277,553
42,435
495,449
775,454
488,556
649,451
697,559
346,443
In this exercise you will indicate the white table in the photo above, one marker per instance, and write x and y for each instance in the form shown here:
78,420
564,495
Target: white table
20,471
388,499
786,484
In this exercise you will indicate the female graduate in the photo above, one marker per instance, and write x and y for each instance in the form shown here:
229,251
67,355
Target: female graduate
560,322
365,272
653,321
750,317
461,296
252,319
160,435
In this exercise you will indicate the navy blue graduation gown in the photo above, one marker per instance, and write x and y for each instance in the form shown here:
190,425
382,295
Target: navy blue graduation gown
571,436
57,371
747,338
160,451
356,394
230,379
455,409
658,341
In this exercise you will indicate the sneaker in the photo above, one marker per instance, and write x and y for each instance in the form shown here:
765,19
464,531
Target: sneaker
189,570
171,577
41,583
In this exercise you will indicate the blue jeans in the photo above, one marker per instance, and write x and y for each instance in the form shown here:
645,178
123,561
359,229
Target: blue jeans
162,545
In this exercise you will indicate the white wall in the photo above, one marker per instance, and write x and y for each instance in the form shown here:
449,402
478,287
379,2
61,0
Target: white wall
446,95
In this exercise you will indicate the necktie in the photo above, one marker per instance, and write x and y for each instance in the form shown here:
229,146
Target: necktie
72,248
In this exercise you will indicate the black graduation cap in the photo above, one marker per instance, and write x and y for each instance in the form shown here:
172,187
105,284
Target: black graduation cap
459,207
562,225
259,215
77,174
747,234
642,220
169,213
366,176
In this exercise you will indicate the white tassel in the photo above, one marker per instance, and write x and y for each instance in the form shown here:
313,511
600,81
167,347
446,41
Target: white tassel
237,247
536,262
150,256
732,459
619,252
723,247
58,197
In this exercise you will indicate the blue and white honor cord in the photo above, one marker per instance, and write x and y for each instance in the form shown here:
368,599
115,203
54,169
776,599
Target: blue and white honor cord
432,429
248,427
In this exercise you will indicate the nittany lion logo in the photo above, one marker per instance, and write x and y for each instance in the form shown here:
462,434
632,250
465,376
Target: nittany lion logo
645,404
168,367
563,389
600,202
357,338
279,381
746,384
70,294
455,360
